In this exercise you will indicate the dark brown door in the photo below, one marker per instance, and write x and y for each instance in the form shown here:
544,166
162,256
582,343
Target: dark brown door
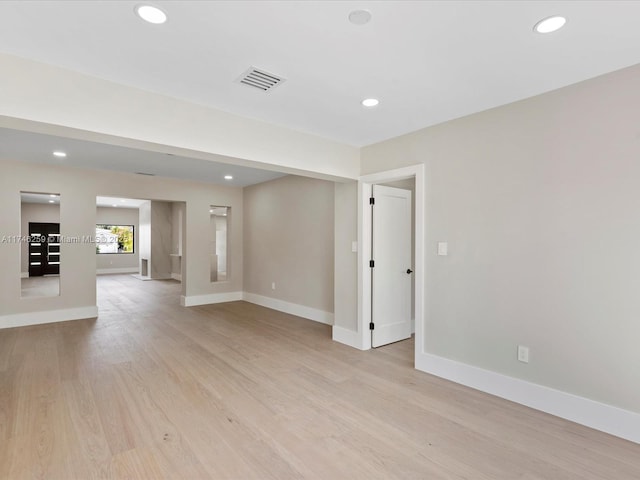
44,249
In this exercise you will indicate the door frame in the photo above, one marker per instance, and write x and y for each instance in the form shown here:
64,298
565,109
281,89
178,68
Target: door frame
365,184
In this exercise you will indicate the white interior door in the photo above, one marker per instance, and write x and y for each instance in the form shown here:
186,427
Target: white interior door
391,271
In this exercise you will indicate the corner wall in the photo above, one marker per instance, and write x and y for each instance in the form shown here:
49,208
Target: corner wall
539,203
289,231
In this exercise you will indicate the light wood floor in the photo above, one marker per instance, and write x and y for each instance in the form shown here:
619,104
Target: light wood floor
47,286
154,390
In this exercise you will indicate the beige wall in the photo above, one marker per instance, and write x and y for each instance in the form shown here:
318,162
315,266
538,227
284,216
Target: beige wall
39,213
78,189
288,231
539,202
346,261
118,216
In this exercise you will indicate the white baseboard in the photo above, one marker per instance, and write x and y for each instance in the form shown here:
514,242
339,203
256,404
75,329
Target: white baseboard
290,308
107,271
24,274
606,418
348,337
176,276
49,316
210,298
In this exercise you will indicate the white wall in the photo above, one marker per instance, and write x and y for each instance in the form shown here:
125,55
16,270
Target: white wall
288,231
118,261
78,189
539,202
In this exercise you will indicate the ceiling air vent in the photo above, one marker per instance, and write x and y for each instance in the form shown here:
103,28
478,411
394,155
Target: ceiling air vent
260,79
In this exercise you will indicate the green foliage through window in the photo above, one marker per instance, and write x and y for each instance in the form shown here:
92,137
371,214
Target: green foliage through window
114,239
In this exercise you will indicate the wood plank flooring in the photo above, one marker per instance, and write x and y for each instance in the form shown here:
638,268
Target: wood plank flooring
236,391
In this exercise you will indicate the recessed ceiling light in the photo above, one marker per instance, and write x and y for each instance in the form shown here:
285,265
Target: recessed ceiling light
360,17
151,14
52,195
114,205
59,154
122,201
210,211
370,102
52,201
550,24
228,177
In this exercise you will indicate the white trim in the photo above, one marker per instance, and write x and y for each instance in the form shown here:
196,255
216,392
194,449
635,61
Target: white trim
290,308
24,274
364,252
107,271
606,418
48,316
347,337
210,298
176,276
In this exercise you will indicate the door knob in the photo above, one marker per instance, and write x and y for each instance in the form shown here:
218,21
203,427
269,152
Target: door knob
409,270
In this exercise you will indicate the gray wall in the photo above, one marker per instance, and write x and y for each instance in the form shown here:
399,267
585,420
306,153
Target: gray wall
539,202
118,216
288,231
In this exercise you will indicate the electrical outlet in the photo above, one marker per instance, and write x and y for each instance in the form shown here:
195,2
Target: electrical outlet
523,354
273,285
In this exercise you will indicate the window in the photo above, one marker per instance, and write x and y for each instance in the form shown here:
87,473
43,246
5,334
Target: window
114,238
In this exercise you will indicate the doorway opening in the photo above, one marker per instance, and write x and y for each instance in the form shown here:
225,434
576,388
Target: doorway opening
139,240
365,238
40,254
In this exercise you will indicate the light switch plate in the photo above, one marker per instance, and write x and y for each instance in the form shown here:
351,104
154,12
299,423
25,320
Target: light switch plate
443,248
354,246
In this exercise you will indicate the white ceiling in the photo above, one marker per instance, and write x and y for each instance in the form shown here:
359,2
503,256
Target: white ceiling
38,148
427,61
